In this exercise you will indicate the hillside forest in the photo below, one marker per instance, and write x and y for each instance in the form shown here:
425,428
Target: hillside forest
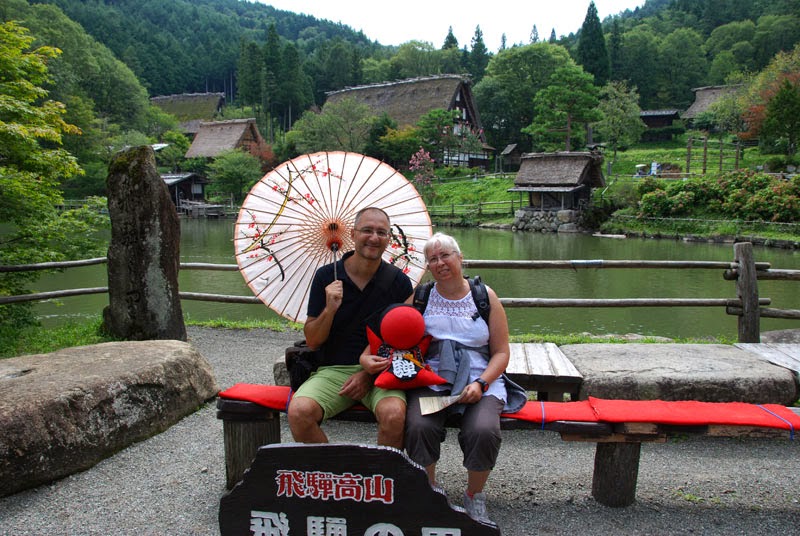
276,66
77,76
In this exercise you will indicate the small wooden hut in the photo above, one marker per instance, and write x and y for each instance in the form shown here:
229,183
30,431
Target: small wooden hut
559,181
185,186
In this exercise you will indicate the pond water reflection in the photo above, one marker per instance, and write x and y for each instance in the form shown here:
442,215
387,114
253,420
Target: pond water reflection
211,241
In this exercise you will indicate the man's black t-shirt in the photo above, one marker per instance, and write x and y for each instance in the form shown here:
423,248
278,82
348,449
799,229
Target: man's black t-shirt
347,350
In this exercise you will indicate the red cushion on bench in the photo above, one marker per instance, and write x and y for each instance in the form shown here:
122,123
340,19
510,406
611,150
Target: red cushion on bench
593,410
555,411
270,396
692,412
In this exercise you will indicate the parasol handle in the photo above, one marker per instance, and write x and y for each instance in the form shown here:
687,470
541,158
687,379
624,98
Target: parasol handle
334,245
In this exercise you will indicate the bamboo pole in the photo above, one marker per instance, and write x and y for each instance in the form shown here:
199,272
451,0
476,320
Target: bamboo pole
52,265
55,294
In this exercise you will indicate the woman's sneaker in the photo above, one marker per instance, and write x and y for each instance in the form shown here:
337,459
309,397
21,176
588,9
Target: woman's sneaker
476,507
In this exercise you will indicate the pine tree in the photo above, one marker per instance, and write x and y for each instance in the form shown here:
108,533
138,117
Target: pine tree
450,41
552,39
479,56
615,51
592,54
534,35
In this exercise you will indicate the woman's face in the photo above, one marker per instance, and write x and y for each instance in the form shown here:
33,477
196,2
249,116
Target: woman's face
443,263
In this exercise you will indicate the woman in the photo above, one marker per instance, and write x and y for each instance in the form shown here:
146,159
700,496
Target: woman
472,356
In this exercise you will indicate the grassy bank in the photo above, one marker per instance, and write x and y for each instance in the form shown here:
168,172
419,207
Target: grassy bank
40,340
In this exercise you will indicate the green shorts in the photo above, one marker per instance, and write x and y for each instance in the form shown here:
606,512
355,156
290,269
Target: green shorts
324,385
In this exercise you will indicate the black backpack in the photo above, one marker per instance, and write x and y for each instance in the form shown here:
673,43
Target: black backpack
479,295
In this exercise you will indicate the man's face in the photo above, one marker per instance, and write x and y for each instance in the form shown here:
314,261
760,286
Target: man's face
371,235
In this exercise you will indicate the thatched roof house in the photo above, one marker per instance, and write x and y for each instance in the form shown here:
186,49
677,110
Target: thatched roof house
191,108
406,101
218,136
561,180
705,97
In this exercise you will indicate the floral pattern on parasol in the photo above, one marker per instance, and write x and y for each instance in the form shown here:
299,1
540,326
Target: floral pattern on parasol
300,215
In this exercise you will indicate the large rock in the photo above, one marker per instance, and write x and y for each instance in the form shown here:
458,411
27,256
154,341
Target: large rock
705,372
144,253
63,412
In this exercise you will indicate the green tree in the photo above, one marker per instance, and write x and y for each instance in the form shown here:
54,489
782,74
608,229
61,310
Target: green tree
782,121
478,56
172,156
592,53
450,40
233,173
775,33
397,145
620,124
513,77
433,129
570,98
682,66
341,126
31,167
249,70
615,50
414,58
639,59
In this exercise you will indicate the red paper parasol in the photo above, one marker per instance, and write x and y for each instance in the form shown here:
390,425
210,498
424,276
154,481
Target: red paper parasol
299,215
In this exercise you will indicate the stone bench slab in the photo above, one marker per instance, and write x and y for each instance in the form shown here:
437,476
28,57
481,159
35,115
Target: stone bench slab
706,372
65,411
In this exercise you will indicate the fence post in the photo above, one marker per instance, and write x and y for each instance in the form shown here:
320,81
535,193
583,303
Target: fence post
689,156
705,155
747,292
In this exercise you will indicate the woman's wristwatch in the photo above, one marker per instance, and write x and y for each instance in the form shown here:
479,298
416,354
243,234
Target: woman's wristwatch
483,383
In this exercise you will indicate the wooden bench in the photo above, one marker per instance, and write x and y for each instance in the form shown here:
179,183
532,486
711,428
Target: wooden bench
538,367
543,368
247,426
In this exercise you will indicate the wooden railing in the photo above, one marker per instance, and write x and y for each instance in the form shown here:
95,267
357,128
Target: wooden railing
743,270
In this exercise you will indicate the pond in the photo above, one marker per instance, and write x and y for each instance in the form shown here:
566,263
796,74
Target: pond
210,241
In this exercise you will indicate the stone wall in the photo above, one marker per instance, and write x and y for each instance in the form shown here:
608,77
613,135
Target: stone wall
546,221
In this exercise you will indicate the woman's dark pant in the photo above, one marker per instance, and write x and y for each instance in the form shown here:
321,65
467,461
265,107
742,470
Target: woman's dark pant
479,436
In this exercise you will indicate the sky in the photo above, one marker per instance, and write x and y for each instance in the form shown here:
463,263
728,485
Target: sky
400,21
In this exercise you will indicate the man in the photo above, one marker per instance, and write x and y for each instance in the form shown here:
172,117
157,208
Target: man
336,323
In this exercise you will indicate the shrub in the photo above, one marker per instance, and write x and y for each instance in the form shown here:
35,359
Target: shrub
656,204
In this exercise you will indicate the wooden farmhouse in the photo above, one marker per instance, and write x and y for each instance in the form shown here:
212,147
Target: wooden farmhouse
191,109
406,101
215,137
559,181
705,97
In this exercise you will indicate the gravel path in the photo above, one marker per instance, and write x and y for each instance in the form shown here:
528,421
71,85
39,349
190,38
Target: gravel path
172,483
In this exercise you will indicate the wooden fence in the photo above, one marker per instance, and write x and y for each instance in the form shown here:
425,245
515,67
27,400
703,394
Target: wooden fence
743,270
478,209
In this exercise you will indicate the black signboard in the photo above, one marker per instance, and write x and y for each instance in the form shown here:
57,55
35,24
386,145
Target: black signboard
340,490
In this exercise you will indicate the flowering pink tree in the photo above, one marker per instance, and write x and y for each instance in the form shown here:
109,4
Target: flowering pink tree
421,164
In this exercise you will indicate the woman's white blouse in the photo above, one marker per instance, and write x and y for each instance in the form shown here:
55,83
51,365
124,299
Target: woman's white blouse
454,320
458,320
